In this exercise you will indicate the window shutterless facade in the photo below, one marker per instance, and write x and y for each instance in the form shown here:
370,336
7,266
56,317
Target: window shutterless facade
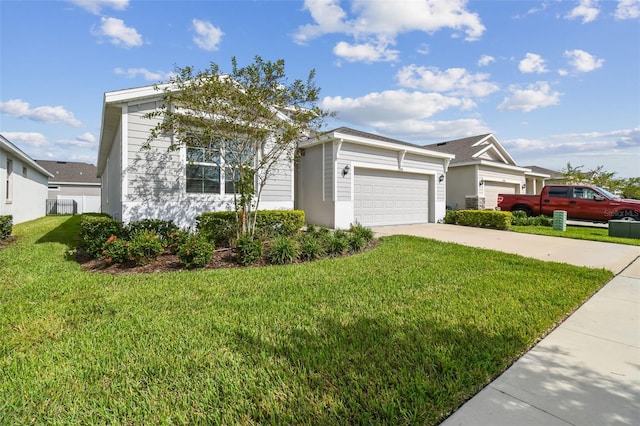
205,172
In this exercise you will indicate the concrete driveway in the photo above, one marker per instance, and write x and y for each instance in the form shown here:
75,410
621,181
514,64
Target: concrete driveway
614,257
585,372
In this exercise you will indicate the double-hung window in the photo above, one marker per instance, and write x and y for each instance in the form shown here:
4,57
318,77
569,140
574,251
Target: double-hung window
203,170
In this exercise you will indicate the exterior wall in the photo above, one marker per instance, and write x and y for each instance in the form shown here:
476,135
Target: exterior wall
111,202
28,193
326,173
461,183
501,175
73,190
318,209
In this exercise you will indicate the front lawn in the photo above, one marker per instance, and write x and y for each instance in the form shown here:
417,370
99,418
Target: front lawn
401,334
577,232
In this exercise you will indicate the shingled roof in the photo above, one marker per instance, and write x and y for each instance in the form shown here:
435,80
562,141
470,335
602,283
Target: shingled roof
554,174
70,171
463,149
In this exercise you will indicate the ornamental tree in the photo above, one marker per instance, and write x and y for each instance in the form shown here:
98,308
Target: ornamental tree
252,118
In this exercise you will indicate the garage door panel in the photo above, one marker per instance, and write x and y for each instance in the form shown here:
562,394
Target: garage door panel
491,191
396,197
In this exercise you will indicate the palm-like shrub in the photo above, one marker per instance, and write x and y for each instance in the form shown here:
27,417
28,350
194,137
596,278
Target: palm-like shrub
283,250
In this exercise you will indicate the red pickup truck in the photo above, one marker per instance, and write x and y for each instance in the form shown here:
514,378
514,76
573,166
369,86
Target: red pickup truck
581,202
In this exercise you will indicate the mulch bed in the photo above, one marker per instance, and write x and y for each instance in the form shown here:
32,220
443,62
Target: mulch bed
7,241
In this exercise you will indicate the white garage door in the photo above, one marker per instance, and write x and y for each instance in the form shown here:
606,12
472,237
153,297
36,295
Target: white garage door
390,198
491,191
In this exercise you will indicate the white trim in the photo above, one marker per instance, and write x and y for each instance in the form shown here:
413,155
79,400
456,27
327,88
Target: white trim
492,164
323,172
401,155
124,146
373,166
54,182
374,143
8,146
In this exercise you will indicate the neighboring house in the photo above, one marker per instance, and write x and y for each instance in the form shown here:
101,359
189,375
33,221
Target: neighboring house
347,176
23,192
554,177
75,182
157,183
481,170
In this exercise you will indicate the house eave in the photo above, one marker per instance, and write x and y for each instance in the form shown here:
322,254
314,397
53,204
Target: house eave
492,164
373,143
17,152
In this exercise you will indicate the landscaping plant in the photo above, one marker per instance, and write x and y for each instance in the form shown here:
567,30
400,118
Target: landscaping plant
144,247
195,252
283,250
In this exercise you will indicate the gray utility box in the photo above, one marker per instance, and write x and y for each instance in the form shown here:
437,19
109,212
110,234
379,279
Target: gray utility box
624,228
559,220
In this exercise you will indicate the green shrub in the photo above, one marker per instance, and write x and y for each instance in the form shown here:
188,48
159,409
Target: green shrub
176,239
283,250
6,223
248,250
273,223
95,230
337,243
312,246
163,228
115,250
195,252
356,242
364,232
521,219
145,247
219,227
479,218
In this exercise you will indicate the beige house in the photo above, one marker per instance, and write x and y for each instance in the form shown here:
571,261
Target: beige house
482,169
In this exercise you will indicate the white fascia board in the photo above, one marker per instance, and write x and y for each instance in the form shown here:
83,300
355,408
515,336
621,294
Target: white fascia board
8,146
501,150
374,143
492,164
127,95
53,182
534,174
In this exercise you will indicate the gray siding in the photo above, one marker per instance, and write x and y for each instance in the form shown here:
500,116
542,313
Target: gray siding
317,211
279,185
111,202
153,174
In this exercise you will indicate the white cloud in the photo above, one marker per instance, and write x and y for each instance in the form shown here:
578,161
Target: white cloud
485,60
426,131
627,9
144,73
583,61
562,72
365,52
32,139
46,114
383,21
532,63
119,34
587,10
95,6
208,36
390,105
85,140
537,95
455,81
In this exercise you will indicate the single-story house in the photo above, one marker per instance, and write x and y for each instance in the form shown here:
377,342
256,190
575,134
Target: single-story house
75,183
157,183
482,169
554,177
342,177
23,192
347,176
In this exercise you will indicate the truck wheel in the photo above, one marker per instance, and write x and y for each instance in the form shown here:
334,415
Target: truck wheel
526,210
627,215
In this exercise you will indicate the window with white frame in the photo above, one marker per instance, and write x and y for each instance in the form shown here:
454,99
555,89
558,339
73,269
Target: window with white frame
203,170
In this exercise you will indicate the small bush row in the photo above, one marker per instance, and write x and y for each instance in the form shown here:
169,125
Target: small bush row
521,219
479,218
314,243
223,227
6,224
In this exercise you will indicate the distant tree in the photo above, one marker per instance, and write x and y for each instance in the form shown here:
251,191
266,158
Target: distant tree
252,118
573,175
631,188
603,179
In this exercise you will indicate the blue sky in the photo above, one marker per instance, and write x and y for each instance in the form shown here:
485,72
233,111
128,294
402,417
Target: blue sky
555,81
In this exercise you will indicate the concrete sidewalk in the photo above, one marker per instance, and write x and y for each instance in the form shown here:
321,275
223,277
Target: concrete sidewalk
585,372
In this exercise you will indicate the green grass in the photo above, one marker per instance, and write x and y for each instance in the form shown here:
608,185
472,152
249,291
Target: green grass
577,232
401,334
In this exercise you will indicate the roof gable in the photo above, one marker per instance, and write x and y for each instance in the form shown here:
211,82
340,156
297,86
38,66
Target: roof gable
6,145
475,149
